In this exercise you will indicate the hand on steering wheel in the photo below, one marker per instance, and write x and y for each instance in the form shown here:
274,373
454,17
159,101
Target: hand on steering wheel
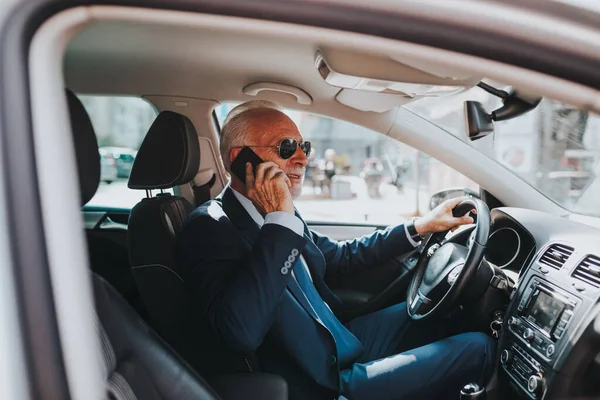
444,270
443,218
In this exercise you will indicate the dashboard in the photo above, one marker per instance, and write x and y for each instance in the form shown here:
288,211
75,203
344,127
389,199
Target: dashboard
550,342
510,246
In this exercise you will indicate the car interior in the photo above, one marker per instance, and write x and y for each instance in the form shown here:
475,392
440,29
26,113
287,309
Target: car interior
533,285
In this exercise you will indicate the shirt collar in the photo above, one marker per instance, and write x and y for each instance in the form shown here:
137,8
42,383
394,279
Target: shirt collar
249,207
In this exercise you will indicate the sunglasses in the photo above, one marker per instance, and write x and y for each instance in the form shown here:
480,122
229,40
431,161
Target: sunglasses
287,147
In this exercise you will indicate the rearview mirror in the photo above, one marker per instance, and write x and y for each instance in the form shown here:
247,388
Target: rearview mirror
479,122
443,195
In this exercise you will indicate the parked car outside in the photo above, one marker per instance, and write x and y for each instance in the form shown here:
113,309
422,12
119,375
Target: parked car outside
108,166
124,158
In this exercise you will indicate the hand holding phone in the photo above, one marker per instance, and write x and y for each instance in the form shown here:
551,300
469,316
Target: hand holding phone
268,186
238,166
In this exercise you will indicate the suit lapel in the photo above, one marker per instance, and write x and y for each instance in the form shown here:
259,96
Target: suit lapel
250,230
239,216
312,255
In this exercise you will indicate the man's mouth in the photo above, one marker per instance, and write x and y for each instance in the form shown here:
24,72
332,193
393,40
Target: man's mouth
294,176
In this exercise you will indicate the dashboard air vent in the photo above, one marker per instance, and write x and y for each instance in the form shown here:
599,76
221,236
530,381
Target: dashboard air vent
588,270
556,255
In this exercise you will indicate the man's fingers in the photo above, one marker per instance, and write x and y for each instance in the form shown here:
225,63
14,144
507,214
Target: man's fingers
466,220
455,201
260,173
249,175
261,169
287,180
452,203
270,173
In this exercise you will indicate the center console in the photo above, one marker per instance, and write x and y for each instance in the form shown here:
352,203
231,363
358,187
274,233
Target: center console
539,321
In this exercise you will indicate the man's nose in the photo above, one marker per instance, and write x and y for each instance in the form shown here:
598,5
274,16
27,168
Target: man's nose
299,157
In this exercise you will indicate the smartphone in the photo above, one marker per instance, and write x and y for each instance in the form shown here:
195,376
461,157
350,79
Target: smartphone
238,166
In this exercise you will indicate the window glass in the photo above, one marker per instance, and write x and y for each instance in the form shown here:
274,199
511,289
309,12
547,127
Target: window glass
356,175
554,147
120,124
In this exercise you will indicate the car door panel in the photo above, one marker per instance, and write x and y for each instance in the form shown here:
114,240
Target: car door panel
342,231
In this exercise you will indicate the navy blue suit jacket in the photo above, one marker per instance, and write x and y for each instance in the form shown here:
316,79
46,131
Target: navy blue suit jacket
234,271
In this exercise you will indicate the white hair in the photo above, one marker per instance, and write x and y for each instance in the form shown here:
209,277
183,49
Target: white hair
236,127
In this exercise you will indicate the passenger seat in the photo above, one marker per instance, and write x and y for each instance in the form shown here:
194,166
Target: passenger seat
168,157
137,363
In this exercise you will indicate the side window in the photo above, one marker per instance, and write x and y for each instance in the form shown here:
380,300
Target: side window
120,124
356,175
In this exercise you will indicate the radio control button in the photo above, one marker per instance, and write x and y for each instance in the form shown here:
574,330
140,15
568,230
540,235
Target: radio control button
529,335
506,357
578,286
566,316
513,321
561,324
535,384
550,350
525,298
558,333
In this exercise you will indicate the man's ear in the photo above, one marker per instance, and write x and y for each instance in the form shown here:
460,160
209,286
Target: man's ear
233,153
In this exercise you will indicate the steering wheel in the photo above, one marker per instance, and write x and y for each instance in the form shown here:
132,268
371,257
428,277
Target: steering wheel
445,268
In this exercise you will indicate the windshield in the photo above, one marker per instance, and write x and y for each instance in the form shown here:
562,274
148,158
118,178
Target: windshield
555,147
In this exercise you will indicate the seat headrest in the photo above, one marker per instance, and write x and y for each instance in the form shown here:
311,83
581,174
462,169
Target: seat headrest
169,155
86,148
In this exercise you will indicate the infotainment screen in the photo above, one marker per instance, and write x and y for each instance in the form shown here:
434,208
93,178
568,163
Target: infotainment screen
545,311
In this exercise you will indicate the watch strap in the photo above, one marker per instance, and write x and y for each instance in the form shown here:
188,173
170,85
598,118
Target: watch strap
412,231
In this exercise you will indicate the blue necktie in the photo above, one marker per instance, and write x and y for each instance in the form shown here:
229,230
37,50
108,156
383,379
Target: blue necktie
348,346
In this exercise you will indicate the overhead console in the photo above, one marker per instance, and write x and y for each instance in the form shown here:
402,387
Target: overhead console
376,83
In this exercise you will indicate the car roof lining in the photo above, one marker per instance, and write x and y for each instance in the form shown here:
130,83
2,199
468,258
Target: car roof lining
217,56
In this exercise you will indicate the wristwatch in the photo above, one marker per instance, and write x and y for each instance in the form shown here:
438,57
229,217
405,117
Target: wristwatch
412,231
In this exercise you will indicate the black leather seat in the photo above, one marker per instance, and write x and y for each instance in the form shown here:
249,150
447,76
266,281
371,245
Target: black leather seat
138,363
170,156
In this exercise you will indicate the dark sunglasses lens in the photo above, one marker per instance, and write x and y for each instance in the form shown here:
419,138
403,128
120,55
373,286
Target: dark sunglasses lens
287,148
305,147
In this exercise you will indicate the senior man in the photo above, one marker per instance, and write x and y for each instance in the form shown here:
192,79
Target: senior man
257,275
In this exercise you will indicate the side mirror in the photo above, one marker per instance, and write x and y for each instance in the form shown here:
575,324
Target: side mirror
443,195
479,122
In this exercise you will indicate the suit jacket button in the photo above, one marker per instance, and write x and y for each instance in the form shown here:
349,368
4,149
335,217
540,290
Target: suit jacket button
332,360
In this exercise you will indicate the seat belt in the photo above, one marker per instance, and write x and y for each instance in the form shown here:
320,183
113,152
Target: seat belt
202,192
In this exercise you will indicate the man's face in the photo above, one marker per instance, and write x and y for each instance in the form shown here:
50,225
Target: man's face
269,128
